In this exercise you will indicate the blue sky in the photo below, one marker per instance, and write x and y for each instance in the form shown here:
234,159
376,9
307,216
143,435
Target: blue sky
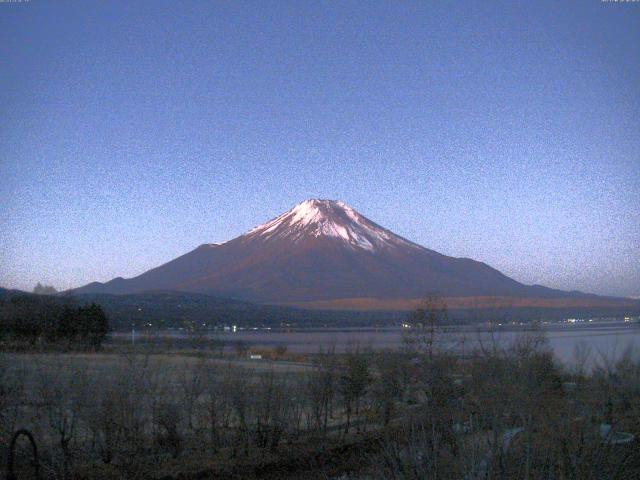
506,132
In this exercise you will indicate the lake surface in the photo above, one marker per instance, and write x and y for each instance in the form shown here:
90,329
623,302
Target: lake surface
604,339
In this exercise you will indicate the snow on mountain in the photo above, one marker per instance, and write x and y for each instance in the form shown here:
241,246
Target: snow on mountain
316,218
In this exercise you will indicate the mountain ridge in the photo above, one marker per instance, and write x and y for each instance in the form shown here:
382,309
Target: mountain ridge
323,251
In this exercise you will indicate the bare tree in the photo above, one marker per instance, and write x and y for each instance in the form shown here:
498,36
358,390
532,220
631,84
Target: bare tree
353,381
425,323
63,394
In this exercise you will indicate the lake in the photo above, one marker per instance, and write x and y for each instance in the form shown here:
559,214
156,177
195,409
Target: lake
605,339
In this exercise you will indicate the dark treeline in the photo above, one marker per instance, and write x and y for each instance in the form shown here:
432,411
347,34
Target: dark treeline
194,310
182,309
189,310
33,320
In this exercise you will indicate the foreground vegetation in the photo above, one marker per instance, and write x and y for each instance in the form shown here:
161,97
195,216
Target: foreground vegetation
501,411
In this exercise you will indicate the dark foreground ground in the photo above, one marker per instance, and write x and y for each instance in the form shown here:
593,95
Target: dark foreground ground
506,409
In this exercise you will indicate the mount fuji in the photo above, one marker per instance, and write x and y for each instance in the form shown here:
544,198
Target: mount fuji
324,254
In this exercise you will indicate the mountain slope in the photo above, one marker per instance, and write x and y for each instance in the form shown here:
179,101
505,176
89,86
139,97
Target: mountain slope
323,250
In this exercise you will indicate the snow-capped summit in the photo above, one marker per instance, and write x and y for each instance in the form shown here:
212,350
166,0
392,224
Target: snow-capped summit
329,218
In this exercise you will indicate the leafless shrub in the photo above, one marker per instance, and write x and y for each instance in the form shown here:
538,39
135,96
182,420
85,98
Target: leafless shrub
167,428
63,396
354,378
12,396
320,390
104,419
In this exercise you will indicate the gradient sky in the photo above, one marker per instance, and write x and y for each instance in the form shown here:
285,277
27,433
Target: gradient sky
131,132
